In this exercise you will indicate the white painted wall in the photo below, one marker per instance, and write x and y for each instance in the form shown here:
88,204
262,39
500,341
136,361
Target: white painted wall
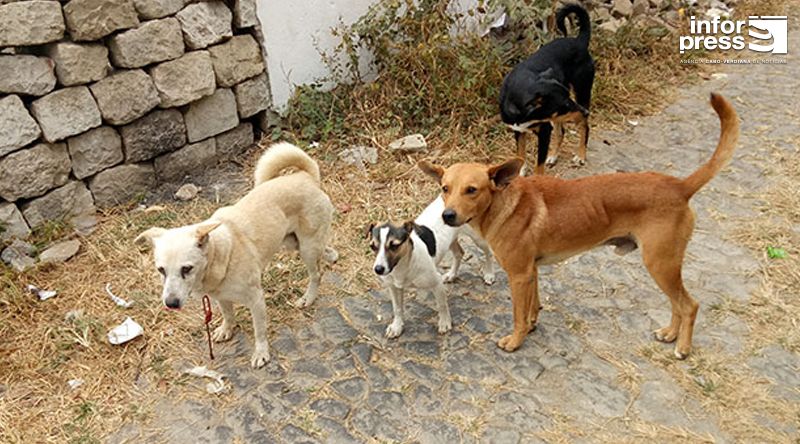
294,32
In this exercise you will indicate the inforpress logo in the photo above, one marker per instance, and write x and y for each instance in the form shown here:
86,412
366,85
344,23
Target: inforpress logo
768,34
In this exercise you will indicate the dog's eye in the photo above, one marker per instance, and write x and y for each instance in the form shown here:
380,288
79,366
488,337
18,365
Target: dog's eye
161,270
186,269
445,189
471,190
394,245
373,247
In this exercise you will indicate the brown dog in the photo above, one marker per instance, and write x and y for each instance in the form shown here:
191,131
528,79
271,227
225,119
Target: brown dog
531,221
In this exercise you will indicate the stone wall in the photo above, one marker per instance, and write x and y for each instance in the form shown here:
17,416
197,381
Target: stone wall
101,100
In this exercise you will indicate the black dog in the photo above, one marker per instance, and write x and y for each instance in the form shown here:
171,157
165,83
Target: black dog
537,91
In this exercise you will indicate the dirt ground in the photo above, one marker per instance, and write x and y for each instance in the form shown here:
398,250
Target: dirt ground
591,372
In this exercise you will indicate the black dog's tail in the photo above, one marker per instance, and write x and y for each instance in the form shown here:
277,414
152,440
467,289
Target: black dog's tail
584,22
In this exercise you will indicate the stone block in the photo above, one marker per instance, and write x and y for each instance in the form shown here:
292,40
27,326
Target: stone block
205,23
125,96
17,127
154,134
95,19
71,203
152,42
12,225
211,115
235,141
154,9
253,96
237,59
184,79
94,150
189,160
244,13
26,74
78,63
66,112
121,184
30,23
33,171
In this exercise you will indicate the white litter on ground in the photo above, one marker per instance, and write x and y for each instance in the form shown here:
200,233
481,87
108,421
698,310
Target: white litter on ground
213,387
124,332
75,383
43,295
117,300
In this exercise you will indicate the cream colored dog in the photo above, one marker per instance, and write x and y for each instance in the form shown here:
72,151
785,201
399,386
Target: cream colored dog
224,256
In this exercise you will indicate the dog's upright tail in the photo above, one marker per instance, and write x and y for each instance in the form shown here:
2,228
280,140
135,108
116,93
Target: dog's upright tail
284,155
729,135
584,22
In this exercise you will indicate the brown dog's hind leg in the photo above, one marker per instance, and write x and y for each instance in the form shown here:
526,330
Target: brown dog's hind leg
583,125
522,149
558,139
533,312
662,252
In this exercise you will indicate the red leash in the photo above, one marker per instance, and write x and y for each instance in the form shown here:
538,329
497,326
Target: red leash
207,312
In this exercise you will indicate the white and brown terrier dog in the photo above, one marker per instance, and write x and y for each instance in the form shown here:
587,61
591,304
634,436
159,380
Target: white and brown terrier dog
407,257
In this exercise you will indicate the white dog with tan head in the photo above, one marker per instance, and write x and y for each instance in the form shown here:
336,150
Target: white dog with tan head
225,255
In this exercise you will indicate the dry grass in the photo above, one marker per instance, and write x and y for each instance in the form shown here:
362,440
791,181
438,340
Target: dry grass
41,350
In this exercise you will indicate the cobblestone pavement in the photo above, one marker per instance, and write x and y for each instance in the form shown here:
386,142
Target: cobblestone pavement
335,378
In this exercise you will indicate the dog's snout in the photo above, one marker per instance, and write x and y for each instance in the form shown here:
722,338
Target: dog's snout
449,216
380,270
172,302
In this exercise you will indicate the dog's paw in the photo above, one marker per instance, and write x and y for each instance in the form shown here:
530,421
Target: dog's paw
578,161
509,343
260,357
681,354
551,160
394,330
222,334
330,255
488,278
524,170
449,277
445,324
665,334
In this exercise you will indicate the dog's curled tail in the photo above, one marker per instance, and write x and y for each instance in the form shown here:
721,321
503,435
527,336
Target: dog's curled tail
284,155
729,135
584,22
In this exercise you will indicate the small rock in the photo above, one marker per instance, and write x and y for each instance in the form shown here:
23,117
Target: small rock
187,192
17,256
622,8
612,25
60,252
359,156
23,247
640,7
412,143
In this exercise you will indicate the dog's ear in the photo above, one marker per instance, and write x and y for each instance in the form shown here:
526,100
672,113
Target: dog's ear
368,232
505,172
435,171
148,236
408,227
203,231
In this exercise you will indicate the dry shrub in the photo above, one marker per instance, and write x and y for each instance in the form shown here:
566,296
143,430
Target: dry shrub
431,78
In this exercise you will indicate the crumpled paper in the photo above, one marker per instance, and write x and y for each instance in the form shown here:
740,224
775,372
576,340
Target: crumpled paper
215,386
124,332
43,295
117,300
